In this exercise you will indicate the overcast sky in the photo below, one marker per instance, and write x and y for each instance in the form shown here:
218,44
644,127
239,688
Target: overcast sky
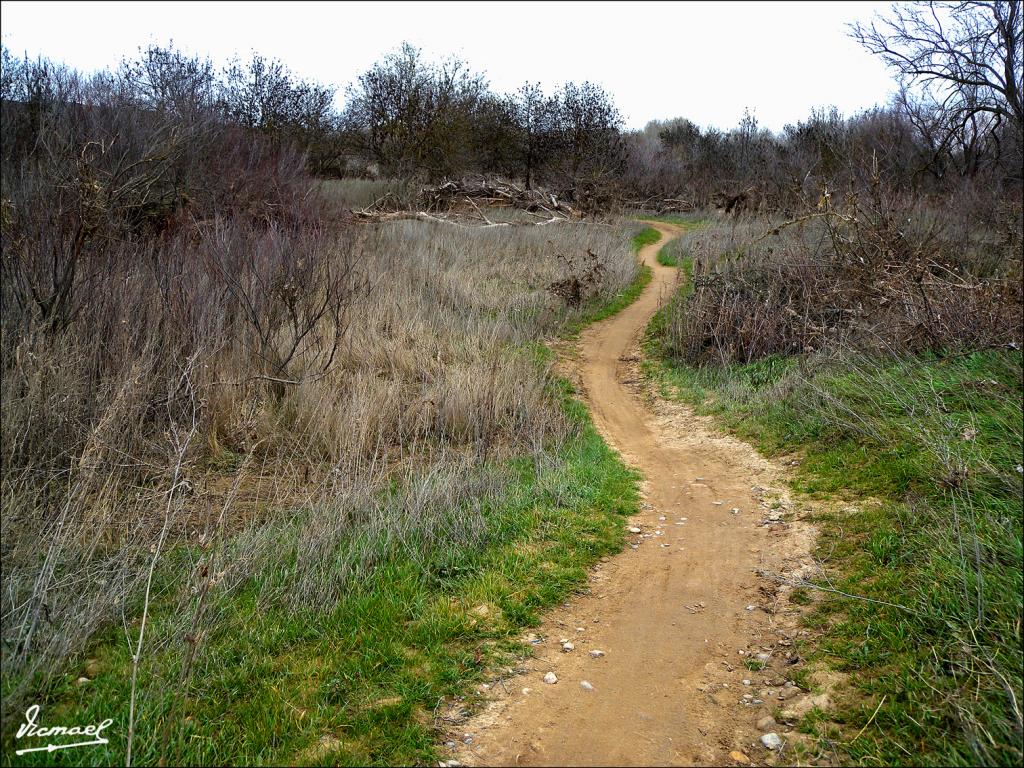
705,61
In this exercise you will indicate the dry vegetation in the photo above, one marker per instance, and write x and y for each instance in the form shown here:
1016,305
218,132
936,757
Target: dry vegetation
224,398
856,301
209,375
429,370
873,272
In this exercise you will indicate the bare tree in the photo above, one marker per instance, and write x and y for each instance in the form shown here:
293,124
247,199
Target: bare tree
411,116
964,62
169,81
590,128
535,117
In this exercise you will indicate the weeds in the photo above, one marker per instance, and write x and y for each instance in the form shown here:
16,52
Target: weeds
916,437
219,399
874,274
926,453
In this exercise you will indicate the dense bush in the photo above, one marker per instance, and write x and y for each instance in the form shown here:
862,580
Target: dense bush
874,272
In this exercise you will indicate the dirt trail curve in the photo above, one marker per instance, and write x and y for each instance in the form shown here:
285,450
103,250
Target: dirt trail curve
671,615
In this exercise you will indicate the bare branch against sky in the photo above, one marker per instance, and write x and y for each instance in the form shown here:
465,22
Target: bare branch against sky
705,61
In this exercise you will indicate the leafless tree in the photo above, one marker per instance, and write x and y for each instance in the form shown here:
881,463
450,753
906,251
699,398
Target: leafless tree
413,117
535,116
965,62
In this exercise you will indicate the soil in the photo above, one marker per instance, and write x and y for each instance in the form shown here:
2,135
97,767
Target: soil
681,613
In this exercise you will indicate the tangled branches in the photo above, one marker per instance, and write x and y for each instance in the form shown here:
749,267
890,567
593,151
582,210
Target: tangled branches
867,272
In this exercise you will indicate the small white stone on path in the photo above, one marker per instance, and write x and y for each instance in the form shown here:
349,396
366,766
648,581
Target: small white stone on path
771,741
596,654
634,529
567,647
718,503
586,686
550,678
751,607
746,682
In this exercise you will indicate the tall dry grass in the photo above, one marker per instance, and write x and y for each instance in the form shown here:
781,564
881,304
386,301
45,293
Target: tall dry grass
254,436
209,376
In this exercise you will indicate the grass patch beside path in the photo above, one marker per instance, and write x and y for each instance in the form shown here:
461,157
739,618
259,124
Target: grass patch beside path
357,682
616,304
929,450
675,253
646,236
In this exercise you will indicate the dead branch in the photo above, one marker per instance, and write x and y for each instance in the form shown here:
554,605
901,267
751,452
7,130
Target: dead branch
452,197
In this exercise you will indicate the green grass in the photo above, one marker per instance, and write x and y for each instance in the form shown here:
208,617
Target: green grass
675,252
646,236
667,259
270,683
357,682
926,451
613,305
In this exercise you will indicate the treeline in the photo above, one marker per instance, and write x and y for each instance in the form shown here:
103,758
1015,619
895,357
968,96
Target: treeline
405,117
954,126
952,131
752,168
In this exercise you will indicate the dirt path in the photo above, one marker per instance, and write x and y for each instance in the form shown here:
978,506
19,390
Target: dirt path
671,612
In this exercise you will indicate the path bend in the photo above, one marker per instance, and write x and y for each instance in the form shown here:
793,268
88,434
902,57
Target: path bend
670,614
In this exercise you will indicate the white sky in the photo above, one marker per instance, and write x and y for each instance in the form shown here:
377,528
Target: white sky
705,61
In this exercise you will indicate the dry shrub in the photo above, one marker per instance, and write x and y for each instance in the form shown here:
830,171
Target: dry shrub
870,273
245,388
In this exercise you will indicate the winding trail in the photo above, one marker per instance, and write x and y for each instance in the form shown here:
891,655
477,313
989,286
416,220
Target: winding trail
670,612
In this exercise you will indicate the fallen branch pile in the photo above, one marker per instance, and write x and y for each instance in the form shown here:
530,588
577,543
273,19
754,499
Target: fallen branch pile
586,279
462,203
862,277
663,205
